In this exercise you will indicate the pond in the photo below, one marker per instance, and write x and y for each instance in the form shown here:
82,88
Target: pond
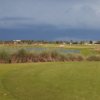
61,50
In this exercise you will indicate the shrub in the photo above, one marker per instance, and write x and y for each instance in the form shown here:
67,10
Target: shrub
55,56
45,54
71,57
22,53
80,58
93,58
20,56
63,58
4,56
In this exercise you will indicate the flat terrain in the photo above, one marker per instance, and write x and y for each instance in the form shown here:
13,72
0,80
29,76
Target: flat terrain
50,81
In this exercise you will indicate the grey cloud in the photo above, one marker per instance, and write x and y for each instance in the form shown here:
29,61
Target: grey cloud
14,18
62,13
14,22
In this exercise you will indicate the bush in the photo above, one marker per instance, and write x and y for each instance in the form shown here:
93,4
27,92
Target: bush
55,56
22,53
80,58
63,58
93,58
71,57
45,54
20,56
4,57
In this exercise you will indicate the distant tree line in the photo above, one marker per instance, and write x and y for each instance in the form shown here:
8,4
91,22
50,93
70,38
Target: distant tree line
47,42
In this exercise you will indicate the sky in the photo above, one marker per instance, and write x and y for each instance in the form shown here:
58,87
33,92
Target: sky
50,19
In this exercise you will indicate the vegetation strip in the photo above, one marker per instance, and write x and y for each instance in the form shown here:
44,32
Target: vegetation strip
23,56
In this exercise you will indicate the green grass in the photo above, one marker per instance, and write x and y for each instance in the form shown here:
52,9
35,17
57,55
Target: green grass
50,81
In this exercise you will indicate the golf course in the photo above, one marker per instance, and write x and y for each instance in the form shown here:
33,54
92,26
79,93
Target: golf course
50,81
49,49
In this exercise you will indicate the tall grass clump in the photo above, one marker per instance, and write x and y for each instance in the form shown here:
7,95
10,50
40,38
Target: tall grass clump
20,56
73,57
93,58
63,58
45,56
50,56
55,56
4,56
33,57
80,58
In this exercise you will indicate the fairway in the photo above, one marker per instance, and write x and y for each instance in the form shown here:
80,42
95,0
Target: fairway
50,81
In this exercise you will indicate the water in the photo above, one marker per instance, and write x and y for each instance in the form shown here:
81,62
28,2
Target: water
61,50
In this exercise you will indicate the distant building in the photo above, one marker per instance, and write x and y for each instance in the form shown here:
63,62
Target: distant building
94,42
16,41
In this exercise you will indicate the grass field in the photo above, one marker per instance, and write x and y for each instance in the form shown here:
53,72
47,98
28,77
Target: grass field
50,81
